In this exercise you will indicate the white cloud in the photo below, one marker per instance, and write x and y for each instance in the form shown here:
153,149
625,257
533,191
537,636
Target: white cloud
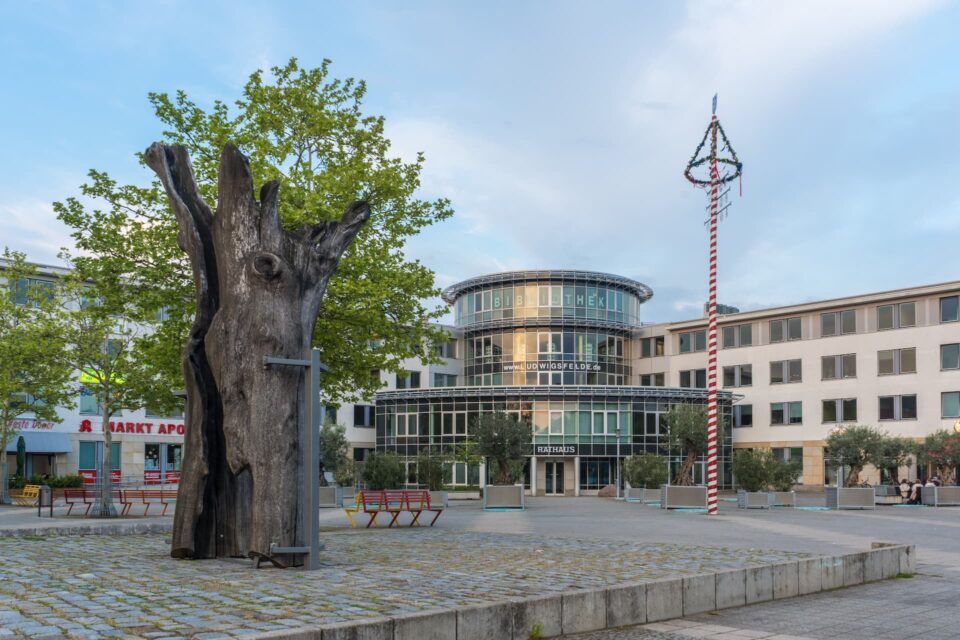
31,226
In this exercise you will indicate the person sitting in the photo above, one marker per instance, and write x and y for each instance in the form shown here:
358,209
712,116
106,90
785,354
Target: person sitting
905,489
916,492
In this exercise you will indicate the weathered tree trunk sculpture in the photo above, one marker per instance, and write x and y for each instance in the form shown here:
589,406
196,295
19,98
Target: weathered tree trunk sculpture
259,289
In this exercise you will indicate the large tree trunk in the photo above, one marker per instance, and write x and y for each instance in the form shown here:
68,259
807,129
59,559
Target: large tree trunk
685,472
259,289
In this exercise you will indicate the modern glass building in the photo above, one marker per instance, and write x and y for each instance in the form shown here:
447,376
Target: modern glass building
554,349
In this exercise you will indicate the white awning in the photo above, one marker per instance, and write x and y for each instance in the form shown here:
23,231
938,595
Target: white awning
41,442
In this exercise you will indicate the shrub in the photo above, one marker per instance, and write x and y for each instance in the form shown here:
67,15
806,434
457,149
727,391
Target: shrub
344,474
383,471
645,470
783,473
855,447
752,467
431,469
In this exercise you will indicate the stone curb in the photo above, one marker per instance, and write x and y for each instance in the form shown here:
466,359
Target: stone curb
99,529
625,604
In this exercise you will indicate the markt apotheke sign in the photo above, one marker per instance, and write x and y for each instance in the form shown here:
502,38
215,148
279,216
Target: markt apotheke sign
143,428
552,366
555,450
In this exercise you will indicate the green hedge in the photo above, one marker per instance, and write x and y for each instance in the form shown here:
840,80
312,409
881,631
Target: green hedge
55,482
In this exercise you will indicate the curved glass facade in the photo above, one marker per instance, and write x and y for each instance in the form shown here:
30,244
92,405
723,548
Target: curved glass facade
553,349
546,357
547,300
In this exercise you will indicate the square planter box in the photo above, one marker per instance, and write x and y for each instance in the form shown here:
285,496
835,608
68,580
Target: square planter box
941,496
754,499
348,495
783,498
676,497
503,497
633,494
850,497
439,499
329,497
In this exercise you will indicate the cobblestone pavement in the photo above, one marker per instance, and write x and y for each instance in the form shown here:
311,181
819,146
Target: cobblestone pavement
923,607
102,586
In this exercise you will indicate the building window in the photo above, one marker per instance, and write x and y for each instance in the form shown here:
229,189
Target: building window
694,378
444,380
842,366
786,371
950,309
651,347
843,410
898,407
88,403
782,413
447,349
411,380
896,316
363,415
838,323
406,425
652,380
691,341
896,361
743,415
738,335
786,329
740,375
176,412
950,404
329,414
32,290
950,356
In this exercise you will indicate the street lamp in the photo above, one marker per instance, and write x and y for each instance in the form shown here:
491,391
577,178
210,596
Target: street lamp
618,462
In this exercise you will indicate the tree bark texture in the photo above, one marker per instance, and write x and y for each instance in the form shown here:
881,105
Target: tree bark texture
259,289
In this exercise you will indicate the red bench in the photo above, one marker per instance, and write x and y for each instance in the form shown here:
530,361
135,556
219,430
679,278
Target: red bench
393,502
88,497
147,497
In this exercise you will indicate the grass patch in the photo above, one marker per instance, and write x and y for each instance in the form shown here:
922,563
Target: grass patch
902,576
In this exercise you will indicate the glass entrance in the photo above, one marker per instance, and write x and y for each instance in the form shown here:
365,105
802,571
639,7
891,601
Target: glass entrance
554,478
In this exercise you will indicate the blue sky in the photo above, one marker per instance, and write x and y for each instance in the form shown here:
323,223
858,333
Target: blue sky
558,129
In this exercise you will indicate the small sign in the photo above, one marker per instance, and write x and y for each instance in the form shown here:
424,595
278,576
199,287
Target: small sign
554,449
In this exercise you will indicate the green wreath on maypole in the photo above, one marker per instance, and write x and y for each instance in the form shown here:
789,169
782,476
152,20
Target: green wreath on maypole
696,161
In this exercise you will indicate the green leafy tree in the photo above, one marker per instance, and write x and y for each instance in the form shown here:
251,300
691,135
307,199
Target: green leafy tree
333,449
308,129
383,471
466,452
752,468
855,447
941,450
345,472
431,469
687,430
894,452
505,442
34,377
104,342
645,470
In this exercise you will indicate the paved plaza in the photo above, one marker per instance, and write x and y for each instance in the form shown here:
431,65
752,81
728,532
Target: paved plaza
127,586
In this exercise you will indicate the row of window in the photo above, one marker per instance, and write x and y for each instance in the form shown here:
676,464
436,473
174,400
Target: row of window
889,362
834,323
569,301
586,346
835,410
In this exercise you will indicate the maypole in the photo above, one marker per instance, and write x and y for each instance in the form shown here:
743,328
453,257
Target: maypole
733,169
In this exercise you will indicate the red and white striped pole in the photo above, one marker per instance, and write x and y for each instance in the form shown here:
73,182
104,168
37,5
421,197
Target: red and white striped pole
712,329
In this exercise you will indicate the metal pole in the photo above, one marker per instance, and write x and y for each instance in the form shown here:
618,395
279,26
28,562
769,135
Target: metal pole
618,463
311,452
712,331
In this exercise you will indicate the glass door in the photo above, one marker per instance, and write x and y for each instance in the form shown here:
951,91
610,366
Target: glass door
554,478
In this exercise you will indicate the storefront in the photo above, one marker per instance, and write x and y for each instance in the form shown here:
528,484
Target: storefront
44,451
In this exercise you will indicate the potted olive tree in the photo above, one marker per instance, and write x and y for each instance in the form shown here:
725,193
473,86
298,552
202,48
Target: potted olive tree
751,469
687,431
505,442
643,472
431,469
783,475
853,447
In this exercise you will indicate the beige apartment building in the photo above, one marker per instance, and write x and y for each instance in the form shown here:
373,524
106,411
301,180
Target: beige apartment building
889,359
